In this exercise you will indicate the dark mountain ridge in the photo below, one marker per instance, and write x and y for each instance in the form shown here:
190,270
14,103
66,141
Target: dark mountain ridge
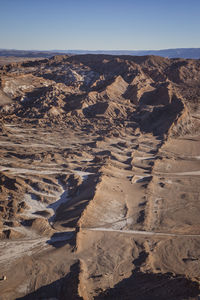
193,53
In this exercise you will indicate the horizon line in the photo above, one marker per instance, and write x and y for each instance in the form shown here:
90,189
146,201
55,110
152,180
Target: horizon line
109,50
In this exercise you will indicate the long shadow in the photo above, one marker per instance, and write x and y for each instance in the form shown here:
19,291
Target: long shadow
65,288
60,239
149,286
160,119
71,211
139,286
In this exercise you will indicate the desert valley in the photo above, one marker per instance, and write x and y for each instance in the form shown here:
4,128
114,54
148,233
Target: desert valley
100,178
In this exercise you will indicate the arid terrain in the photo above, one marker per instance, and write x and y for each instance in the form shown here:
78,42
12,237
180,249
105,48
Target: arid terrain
13,59
100,178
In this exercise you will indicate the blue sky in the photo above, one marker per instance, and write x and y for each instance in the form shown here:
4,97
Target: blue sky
99,24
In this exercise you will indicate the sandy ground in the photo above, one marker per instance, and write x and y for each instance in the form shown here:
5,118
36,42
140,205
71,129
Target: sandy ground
131,211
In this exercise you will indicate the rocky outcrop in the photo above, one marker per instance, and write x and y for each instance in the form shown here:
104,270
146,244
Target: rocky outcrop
64,88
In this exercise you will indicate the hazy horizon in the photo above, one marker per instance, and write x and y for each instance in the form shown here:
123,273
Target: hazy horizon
94,50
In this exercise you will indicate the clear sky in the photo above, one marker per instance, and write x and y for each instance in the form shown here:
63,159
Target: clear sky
99,24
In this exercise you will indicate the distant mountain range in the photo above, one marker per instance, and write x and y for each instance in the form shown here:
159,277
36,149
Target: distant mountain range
27,53
193,53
